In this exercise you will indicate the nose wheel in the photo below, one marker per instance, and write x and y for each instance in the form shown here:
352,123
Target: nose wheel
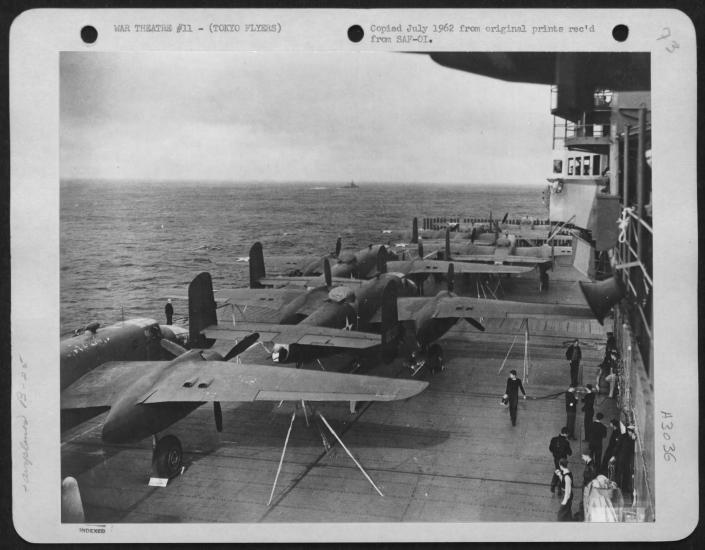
167,457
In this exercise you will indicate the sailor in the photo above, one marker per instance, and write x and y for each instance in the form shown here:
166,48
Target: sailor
565,512
597,433
624,458
589,473
570,409
511,393
560,449
588,409
574,355
612,446
543,279
169,311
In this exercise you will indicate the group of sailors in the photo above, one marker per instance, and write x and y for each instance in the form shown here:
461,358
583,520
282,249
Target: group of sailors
606,477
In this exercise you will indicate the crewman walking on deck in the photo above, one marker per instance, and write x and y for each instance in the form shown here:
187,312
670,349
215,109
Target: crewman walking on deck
571,403
512,394
169,311
573,354
560,449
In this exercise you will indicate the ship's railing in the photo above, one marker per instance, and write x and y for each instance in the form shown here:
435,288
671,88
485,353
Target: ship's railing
441,222
634,251
636,404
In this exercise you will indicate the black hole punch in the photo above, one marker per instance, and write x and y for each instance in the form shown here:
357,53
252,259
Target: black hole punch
355,33
89,34
620,33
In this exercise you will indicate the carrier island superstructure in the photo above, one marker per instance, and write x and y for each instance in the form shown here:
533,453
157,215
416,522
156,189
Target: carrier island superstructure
600,191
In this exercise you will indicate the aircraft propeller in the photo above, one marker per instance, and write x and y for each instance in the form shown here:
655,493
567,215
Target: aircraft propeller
241,346
218,414
475,323
327,273
172,347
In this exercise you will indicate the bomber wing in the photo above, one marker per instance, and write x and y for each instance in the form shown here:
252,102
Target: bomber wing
510,259
316,281
199,381
101,386
459,307
273,298
225,381
305,335
416,267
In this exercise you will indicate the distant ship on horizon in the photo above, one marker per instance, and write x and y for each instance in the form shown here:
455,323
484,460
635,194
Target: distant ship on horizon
351,185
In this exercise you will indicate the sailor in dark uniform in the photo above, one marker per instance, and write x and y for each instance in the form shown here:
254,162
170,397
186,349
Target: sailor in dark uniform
565,512
611,446
598,432
512,394
588,410
573,354
560,449
570,408
169,311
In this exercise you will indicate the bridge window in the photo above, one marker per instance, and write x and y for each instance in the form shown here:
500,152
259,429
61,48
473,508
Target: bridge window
571,165
586,166
557,166
577,166
595,165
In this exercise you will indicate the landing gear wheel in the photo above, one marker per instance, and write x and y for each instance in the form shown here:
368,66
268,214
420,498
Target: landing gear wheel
435,359
166,458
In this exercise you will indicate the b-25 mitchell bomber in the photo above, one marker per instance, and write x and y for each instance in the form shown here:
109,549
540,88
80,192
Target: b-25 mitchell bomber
146,397
371,304
92,345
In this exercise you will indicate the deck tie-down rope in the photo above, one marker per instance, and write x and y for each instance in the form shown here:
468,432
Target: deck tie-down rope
623,223
525,325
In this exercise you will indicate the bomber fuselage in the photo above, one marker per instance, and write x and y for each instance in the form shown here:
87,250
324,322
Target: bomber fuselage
131,340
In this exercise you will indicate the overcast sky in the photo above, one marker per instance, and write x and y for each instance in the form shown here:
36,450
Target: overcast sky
297,117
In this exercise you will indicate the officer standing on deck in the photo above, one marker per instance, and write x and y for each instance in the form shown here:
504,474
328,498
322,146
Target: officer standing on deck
598,432
570,406
512,394
169,311
588,410
573,354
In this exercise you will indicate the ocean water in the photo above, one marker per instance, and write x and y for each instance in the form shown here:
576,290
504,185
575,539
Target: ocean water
125,244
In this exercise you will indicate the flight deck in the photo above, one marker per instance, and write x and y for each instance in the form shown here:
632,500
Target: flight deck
449,454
